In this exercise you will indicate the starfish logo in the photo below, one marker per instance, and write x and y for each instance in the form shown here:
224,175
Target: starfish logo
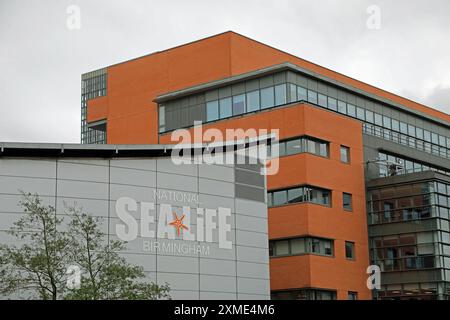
178,223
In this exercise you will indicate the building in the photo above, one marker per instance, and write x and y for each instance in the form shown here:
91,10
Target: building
343,144
220,253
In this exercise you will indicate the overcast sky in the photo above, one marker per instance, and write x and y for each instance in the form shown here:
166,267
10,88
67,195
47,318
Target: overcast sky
41,59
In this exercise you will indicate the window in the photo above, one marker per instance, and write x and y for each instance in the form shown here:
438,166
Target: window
350,250
162,118
360,113
332,104
351,110
370,116
298,195
301,245
267,98
352,295
301,94
212,110
304,294
342,107
279,198
293,146
345,154
225,108
253,101
378,119
238,104
347,201
323,101
312,96
280,94
292,92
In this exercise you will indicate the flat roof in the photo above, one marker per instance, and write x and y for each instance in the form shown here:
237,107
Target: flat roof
20,149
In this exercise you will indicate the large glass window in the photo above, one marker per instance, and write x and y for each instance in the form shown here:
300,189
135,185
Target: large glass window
300,194
293,146
292,92
351,110
238,104
312,96
280,94
332,104
225,108
301,94
301,245
267,98
212,110
323,101
253,101
342,107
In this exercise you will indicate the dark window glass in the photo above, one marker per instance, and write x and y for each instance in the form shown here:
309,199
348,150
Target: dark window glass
301,94
345,154
370,117
332,104
395,125
280,94
225,108
292,92
253,101
312,96
350,250
295,195
360,113
323,101
387,122
403,128
267,98
279,198
238,104
351,110
212,110
352,295
293,146
342,107
347,201
378,120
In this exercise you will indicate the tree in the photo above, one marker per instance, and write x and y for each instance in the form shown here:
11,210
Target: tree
107,275
39,265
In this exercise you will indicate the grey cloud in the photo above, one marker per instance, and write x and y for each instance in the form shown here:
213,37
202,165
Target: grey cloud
42,60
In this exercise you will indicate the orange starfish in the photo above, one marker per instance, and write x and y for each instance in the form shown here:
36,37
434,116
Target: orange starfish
178,223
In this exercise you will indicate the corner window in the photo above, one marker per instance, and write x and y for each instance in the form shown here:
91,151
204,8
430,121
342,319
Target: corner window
345,154
347,201
312,96
350,250
301,94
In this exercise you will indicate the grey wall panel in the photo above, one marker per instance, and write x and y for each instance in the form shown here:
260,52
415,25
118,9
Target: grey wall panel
133,177
217,267
97,184
82,189
177,182
215,187
211,283
253,270
13,185
84,172
22,168
253,286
